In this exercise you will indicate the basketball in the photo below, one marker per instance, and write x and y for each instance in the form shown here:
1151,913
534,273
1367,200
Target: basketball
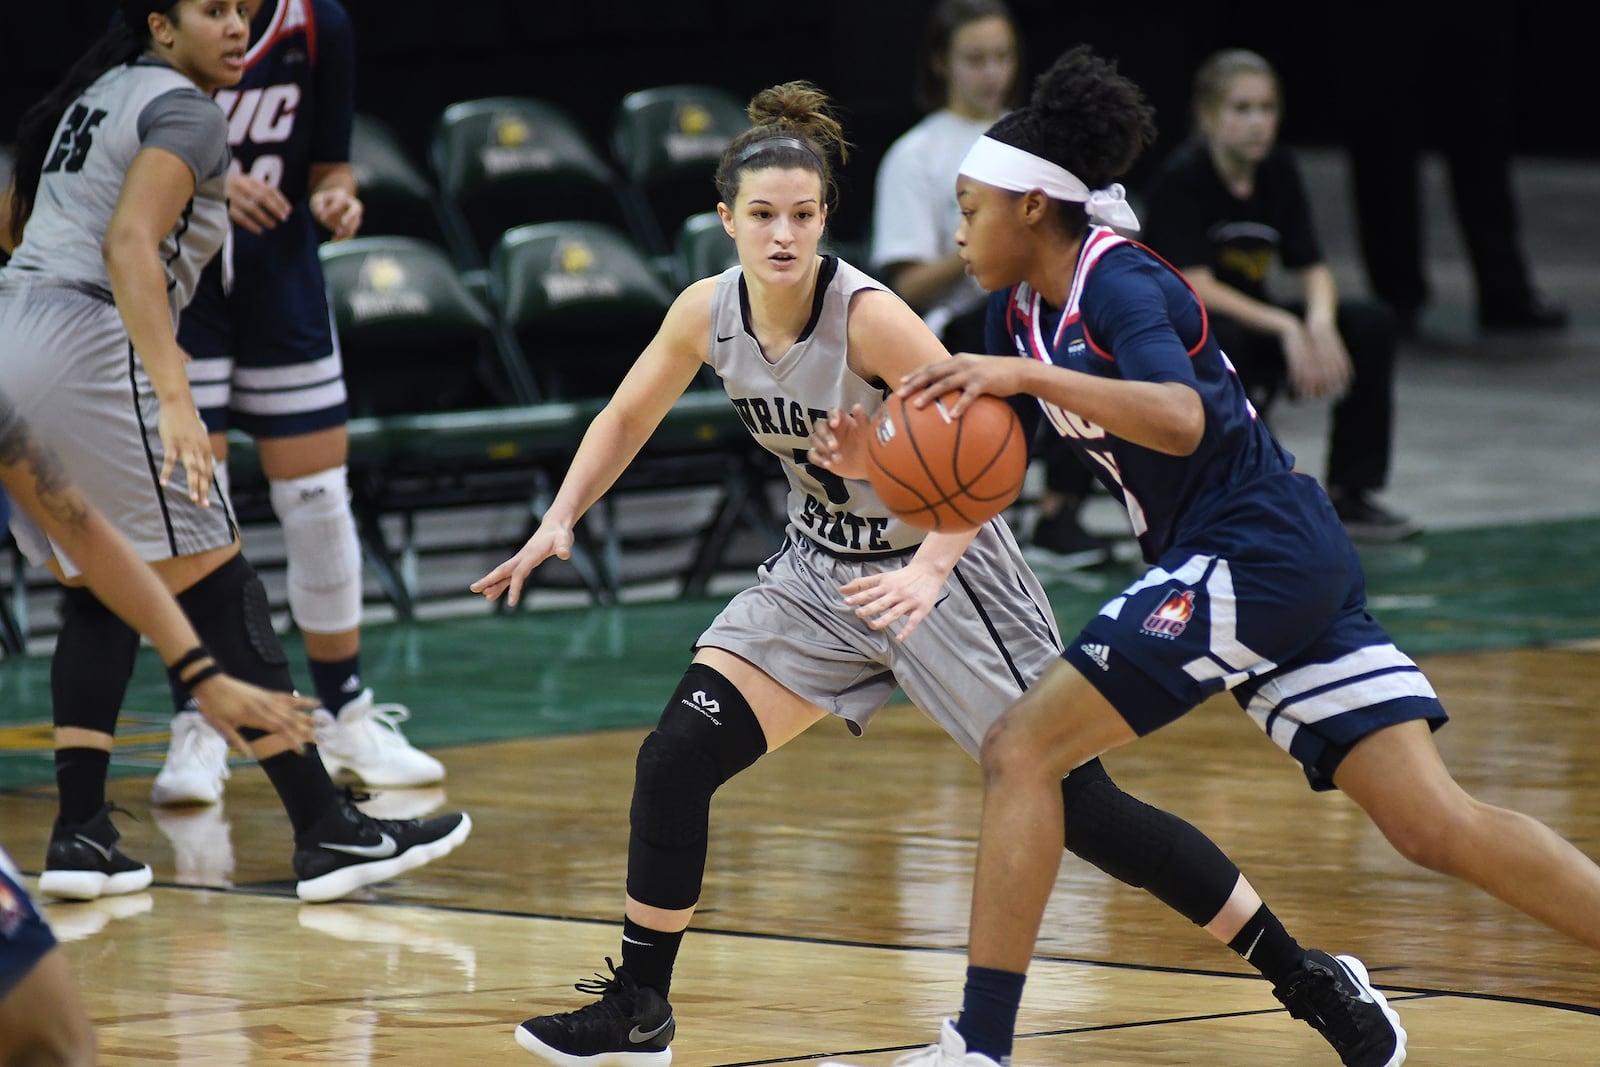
946,474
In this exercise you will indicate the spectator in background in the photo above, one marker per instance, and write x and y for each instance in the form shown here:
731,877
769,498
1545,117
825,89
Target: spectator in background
968,76
1223,208
1426,82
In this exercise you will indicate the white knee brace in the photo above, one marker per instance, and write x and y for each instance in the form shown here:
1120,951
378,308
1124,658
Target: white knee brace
319,535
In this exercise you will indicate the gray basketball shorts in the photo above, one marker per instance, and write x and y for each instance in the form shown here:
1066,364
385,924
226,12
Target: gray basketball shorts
68,366
990,635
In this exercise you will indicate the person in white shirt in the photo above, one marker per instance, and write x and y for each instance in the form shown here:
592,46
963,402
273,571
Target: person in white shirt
968,76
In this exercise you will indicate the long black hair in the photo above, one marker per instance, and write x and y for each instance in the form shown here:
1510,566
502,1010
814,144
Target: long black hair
126,38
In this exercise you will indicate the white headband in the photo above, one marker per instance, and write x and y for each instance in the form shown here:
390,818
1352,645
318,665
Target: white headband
1008,167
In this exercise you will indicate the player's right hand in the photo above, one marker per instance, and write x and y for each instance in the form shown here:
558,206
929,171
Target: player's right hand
550,539
255,206
227,704
839,444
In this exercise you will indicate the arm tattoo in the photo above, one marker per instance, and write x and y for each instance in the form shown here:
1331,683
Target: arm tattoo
57,496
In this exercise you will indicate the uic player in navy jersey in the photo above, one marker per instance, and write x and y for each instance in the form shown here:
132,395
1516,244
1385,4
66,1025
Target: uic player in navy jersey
960,622
117,202
1253,585
266,361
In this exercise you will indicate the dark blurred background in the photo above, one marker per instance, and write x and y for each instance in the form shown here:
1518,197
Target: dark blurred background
416,56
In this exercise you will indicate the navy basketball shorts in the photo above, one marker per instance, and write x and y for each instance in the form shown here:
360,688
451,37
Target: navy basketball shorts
25,937
265,354
1293,644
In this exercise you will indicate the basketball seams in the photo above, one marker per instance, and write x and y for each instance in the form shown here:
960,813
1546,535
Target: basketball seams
909,469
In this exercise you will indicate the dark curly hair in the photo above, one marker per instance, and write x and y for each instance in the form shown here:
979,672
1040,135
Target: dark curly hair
793,111
1083,116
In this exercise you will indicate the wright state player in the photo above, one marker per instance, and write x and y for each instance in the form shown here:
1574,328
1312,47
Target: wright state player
266,361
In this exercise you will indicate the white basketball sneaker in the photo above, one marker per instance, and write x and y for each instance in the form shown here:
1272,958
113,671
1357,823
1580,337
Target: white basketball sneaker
951,1051
365,740
196,765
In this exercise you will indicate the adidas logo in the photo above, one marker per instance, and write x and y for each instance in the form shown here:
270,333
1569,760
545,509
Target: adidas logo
1100,654
705,705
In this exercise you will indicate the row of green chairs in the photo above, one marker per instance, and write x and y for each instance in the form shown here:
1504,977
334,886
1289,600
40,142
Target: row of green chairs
470,388
499,162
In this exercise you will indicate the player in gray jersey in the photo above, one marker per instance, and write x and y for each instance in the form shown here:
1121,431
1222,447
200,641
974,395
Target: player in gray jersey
853,604
42,1017
116,203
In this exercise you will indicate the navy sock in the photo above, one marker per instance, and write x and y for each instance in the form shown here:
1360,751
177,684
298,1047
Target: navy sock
337,682
1267,946
988,1021
648,955
81,783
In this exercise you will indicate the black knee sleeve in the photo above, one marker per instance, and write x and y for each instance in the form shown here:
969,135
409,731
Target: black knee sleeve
706,735
94,656
229,609
1144,846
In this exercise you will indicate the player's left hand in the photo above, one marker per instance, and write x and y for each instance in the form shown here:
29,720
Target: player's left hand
186,443
907,593
338,211
839,444
1321,368
970,375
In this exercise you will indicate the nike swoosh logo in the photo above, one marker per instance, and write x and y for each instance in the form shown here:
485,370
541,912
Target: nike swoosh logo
1359,986
639,1037
722,340
97,846
1249,951
382,850
633,941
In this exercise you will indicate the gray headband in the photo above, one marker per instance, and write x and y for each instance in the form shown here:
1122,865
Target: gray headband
750,151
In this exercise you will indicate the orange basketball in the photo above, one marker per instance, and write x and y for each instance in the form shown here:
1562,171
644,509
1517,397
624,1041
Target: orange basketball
946,474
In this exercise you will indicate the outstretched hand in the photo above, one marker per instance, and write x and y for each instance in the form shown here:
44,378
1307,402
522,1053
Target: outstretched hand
548,540
228,704
971,376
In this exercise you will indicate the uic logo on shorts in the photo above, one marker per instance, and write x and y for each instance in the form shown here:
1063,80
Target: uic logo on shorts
1172,617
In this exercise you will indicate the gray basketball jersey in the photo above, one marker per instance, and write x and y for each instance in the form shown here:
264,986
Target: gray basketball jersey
780,401
122,111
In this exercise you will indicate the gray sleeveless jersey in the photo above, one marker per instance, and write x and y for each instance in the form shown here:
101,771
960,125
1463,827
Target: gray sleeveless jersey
127,108
779,402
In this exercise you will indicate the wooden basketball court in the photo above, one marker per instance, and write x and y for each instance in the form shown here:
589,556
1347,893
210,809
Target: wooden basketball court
836,906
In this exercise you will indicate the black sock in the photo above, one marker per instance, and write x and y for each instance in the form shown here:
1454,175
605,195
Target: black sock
303,786
649,955
81,783
1266,945
337,682
988,1021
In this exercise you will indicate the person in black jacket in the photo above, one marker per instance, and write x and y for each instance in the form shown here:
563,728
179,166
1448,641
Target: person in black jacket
1224,208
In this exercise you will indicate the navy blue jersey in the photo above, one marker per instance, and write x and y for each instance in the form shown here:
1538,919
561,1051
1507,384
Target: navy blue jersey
1130,315
295,103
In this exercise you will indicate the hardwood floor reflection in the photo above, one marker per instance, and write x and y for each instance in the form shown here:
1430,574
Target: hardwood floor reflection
836,905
